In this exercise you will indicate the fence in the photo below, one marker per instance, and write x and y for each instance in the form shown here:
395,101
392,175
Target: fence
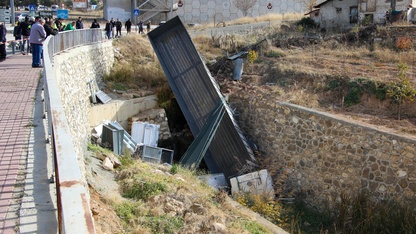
74,213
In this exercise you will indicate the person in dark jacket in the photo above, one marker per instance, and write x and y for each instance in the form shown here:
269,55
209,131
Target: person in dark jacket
79,24
58,25
17,33
113,26
127,25
140,26
2,42
119,25
108,29
148,25
48,28
25,31
95,24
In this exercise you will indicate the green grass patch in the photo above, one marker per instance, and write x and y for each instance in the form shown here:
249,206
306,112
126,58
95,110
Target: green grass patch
174,169
128,210
164,224
98,149
251,227
142,190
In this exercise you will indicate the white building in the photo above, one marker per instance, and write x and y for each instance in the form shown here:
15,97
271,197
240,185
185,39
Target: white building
344,14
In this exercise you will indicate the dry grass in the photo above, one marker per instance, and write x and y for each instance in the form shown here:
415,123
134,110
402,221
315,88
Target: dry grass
265,18
136,63
207,47
168,210
274,19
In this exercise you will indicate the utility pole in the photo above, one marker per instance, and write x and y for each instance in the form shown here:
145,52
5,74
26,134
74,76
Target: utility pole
171,10
12,7
393,5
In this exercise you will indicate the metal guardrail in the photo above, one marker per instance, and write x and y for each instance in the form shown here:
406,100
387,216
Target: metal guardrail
74,213
70,39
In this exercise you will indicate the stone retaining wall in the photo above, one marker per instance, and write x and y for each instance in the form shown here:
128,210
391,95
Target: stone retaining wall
74,70
323,156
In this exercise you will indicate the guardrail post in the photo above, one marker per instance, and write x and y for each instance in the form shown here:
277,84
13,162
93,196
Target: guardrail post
13,43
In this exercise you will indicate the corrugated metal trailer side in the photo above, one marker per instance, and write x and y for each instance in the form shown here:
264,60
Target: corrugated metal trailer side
198,94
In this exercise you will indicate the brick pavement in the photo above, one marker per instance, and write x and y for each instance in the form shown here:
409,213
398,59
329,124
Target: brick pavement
18,82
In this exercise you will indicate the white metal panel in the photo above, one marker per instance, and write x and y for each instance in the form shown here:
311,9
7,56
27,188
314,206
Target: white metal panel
137,131
145,133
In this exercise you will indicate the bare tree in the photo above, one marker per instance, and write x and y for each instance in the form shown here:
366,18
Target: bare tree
244,5
309,4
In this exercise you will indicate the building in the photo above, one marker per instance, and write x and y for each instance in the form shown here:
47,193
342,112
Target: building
195,11
344,14
341,14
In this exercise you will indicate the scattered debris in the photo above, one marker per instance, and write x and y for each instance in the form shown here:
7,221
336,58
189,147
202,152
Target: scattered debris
96,93
258,182
216,181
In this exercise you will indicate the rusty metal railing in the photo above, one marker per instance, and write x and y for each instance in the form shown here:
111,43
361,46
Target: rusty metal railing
74,213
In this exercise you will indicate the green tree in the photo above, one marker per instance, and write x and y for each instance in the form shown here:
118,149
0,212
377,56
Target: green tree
94,2
401,91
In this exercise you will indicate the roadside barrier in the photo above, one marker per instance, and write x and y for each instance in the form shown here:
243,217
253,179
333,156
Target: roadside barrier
14,43
74,213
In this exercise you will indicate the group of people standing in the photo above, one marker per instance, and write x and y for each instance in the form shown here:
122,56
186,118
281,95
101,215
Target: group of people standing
113,28
140,27
35,30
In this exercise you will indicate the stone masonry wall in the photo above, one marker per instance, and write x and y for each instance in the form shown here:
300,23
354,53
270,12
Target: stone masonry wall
74,70
323,156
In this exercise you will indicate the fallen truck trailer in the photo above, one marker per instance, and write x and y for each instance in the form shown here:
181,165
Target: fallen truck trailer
198,95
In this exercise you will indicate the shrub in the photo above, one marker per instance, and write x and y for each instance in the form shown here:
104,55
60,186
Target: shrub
402,91
252,56
307,22
355,88
261,204
403,43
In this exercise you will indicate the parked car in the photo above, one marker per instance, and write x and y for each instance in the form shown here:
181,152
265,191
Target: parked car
42,8
54,7
21,16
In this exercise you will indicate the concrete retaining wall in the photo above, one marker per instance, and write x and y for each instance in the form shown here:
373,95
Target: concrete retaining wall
323,156
205,11
121,110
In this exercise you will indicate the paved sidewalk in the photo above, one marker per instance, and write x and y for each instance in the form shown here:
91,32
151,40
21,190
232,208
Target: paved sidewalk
18,84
